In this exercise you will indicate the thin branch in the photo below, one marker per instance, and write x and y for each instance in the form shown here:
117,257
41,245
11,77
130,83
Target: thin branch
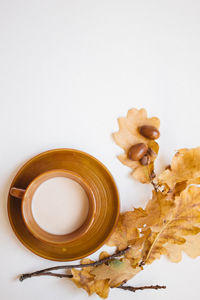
46,274
155,186
96,263
151,178
134,289
126,288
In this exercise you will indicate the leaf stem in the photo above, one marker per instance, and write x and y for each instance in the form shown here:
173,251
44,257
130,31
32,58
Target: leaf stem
151,178
154,242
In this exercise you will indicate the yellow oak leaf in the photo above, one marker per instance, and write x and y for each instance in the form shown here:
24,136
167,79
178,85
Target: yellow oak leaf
131,223
185,167
116,271
135,253
128,135
169,225
191,247
179,220
84,279
157,208
127,228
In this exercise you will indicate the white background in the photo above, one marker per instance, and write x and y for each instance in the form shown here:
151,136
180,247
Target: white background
68,69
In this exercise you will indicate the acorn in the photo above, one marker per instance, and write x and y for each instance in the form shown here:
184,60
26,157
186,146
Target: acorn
145,160
149,132
136,152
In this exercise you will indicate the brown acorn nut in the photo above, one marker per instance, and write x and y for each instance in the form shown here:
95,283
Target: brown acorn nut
136,152
148,131
145,160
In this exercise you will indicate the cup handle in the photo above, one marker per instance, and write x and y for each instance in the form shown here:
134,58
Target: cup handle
17,193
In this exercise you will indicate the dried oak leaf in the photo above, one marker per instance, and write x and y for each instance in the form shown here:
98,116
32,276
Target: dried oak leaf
191,247
157,208
185,167
192,242
128,136
84,279
135,253
127,228
132,225
116,271
179,219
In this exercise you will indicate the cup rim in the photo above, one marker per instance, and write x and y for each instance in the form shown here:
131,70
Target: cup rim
33,226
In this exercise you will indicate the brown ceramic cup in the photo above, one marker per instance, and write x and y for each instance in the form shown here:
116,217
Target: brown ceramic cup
26,197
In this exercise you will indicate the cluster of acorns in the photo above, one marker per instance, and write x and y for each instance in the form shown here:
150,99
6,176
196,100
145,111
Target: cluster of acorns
141,152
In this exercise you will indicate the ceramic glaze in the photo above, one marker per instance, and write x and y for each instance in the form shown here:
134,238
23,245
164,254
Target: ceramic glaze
60,205
100,187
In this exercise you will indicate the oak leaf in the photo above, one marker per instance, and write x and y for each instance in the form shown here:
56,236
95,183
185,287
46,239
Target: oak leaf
84,279
191,247
157,208
127,228
185,167
116,271
133,226
180,220
135,253
128,135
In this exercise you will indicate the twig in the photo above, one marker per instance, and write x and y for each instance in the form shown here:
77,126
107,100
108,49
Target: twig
96,263
151,178
127,288
134,289
155,186
46,274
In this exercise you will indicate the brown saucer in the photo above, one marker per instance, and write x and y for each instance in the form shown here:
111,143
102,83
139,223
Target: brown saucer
105,192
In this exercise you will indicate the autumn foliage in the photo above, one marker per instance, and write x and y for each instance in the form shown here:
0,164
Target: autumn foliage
170,222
